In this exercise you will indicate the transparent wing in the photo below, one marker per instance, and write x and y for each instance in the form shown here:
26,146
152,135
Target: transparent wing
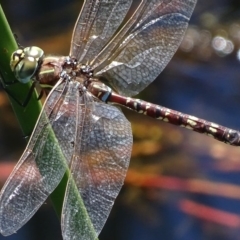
98,169
97,22
39,169
136,57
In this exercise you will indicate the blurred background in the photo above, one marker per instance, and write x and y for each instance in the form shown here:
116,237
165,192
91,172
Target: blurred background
180,185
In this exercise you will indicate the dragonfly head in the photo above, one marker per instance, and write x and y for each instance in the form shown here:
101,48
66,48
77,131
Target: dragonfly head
25,62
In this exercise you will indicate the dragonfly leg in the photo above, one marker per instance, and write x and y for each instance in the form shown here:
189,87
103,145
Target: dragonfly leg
16,39
28,97
40,95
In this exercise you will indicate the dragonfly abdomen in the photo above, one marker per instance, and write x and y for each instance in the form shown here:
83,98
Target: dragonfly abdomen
214,130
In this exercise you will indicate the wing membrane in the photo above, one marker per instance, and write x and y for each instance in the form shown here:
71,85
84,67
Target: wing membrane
98,169
39,169
97,22
137,57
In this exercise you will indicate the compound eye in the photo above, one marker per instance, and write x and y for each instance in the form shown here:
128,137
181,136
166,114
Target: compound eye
16,57
26,69
34,52
25,62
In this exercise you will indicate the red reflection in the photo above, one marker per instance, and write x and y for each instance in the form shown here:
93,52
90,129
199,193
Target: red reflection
210,214
187,185
5,170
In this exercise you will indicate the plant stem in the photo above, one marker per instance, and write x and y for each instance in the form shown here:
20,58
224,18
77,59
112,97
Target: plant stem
28,116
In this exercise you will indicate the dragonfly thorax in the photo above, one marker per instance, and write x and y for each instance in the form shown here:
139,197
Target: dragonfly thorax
53,68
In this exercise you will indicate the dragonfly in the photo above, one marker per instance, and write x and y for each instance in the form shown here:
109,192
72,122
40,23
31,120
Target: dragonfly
80,121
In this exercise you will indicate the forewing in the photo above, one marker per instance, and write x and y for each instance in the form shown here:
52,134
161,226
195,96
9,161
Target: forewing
136,58
39,169
97,22
98,170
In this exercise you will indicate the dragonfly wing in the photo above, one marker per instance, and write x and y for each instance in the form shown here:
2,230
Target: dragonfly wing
39,169
97,22
98,170
136,58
